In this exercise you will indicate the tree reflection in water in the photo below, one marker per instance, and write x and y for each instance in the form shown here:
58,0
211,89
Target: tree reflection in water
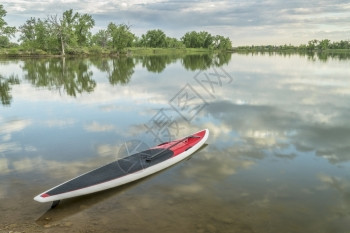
71,76
5,88
74,76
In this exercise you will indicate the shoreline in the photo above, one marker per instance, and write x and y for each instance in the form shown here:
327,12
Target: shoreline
267,50
143,51
89,52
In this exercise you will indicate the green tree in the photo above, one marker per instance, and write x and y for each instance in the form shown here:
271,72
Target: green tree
205,39
35,34
45,38
63,28
100,38
72,29
154,39
28,36
324,44
174,43
5,31
312,44
302,47
343,44
82,28
120,35
190,39
137,42
222,43
340,45
198,39
4,42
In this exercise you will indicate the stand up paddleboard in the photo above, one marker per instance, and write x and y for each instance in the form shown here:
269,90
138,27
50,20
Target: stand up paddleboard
127,169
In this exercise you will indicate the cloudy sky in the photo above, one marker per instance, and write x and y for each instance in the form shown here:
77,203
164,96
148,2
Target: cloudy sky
246,22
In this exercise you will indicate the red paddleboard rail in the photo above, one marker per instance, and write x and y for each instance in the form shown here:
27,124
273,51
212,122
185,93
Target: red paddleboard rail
150,158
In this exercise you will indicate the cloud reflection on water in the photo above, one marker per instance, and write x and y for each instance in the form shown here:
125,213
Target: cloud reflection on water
272,132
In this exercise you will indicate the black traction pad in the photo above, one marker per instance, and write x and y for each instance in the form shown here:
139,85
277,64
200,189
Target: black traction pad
114,170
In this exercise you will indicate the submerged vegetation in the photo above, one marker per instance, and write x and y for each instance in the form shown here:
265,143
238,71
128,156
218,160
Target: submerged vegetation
70,34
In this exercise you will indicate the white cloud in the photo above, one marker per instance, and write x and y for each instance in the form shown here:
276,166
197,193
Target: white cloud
7,128
14,125
97,127
263,137
6,137
4,166
108,150
224,163
103,94
55,168
60,122
6,147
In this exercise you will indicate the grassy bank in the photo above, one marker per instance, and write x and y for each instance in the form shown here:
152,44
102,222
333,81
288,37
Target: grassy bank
23,52
98,51
165,51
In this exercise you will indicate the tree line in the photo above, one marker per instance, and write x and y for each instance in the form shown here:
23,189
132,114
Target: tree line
71,31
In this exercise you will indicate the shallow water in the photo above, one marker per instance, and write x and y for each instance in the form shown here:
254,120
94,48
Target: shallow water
277,158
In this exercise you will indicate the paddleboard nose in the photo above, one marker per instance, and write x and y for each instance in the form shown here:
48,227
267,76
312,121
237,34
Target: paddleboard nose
38,198
43,197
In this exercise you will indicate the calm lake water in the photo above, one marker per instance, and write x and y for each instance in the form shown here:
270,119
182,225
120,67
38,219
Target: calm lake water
277,159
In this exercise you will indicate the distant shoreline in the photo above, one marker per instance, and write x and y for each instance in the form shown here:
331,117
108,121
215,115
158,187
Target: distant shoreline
292,50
